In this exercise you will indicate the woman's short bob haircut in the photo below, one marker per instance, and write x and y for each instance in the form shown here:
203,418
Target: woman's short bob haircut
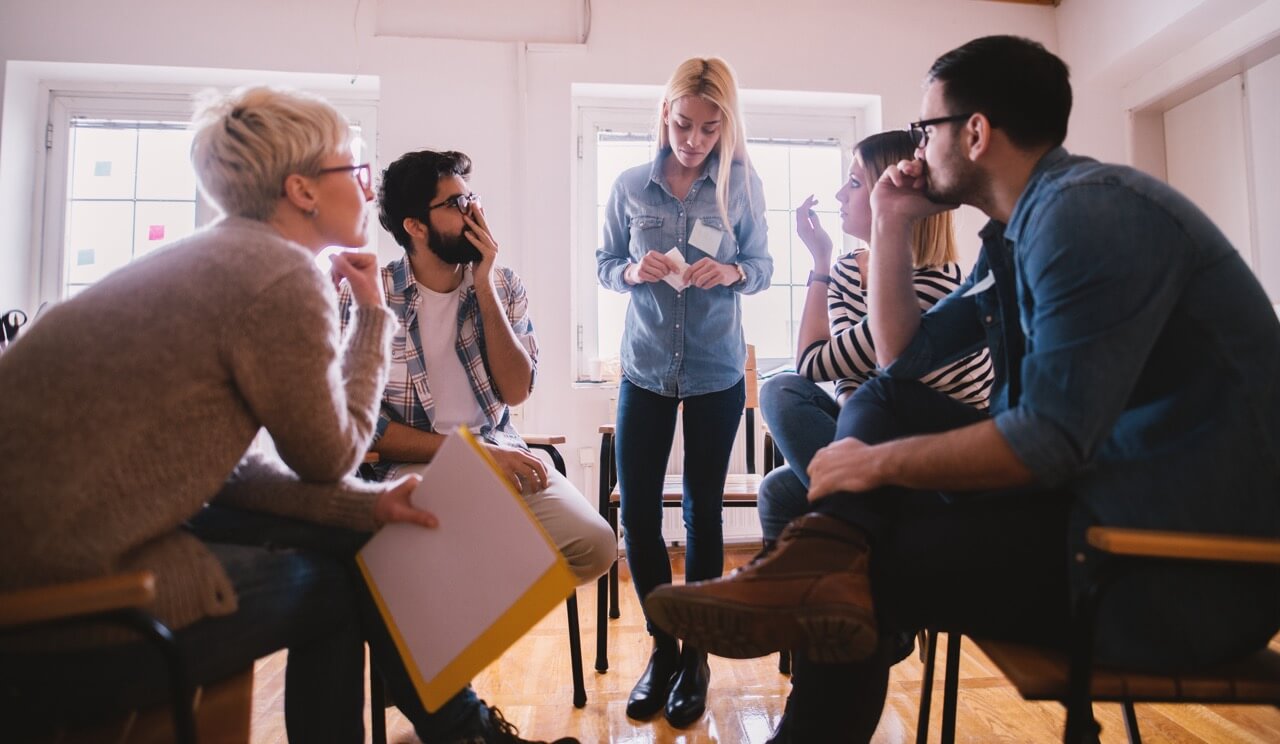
933,240
248,141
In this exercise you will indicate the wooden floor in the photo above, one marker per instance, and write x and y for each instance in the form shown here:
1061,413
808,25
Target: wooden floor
531,684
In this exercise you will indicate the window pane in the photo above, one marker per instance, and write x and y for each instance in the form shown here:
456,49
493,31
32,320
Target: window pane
102,163
161,223
770,162
99,239
614,155
815,169
766,322
164,164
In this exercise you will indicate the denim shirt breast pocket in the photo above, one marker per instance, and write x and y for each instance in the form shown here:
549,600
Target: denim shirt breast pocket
727,250
646,235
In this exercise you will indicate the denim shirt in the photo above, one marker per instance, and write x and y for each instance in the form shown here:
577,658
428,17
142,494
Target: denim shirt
680,344
1137,361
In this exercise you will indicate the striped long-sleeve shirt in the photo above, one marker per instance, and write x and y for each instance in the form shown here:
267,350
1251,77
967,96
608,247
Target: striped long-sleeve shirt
849,358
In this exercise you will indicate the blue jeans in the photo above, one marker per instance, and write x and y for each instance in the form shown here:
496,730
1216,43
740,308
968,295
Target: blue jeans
298,589
802,419
983,563
642,444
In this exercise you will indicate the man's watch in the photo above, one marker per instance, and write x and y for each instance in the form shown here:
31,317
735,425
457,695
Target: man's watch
816,277
742,275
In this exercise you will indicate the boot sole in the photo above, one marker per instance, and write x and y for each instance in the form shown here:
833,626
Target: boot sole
835,634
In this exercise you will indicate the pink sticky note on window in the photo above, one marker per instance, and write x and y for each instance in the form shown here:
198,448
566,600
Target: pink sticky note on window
155,232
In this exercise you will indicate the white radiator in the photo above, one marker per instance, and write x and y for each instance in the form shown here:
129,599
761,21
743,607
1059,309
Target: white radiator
740,522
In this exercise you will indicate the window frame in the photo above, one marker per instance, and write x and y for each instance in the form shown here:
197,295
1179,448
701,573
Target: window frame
593,115
135,102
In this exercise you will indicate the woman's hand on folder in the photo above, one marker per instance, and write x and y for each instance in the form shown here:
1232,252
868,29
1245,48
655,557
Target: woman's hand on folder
393,505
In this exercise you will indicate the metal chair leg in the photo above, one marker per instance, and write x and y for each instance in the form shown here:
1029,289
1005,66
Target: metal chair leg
377,704
184,726
1131,723
950,688
602,627
575,652
926,687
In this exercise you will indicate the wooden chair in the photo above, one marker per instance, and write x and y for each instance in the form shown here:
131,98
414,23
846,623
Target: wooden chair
216,713
548,444
740,490
1075,681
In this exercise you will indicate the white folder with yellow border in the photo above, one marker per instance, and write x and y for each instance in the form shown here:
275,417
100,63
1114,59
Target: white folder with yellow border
457,596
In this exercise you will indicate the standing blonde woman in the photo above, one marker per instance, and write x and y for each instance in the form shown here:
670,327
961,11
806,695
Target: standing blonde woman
685,237
132,405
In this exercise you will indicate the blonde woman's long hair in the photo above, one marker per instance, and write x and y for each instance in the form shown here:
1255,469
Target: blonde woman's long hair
712,79
933,240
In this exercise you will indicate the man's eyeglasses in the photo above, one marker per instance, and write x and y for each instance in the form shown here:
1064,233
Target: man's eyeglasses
919,133
460,202
363,173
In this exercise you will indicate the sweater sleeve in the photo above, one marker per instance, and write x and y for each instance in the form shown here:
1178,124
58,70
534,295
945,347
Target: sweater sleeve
262,483
317,397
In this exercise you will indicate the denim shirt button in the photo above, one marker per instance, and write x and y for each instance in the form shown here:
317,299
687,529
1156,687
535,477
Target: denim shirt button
987,319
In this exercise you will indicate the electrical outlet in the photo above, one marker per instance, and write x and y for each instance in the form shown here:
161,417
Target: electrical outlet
586,456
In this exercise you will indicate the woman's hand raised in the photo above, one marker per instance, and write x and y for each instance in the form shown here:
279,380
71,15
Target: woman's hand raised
810,231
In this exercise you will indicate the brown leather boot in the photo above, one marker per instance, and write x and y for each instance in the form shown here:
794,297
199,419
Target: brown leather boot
812,594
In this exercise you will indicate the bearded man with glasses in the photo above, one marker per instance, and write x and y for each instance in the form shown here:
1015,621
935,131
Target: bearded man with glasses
464,352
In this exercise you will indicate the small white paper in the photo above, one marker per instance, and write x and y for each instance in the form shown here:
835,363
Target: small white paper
983,284
706,238
676,278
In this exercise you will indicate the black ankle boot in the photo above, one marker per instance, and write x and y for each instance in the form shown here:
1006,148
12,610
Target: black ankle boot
650,692
688,698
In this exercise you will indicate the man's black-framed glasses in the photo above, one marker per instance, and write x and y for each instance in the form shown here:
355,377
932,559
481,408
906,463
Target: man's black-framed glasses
363,173
920,136
460,202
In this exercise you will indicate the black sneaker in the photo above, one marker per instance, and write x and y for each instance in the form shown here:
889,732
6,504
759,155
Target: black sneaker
498,730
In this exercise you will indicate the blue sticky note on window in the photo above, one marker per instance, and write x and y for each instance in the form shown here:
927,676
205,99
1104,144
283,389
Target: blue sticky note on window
102,168
84,257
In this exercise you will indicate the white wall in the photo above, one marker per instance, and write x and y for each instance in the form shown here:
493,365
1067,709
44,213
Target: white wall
1262,90
507,107
1115,47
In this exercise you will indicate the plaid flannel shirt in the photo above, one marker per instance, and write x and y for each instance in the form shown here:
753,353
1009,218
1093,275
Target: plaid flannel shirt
410,402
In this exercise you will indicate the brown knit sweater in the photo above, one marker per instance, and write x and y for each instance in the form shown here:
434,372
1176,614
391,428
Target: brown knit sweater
125,409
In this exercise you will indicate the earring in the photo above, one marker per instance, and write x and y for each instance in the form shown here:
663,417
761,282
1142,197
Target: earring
311,213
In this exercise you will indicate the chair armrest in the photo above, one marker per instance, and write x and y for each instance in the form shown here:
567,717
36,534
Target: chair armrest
543,440
73,599
1184,545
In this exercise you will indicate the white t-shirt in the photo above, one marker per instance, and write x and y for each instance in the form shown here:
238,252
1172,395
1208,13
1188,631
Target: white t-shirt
455,402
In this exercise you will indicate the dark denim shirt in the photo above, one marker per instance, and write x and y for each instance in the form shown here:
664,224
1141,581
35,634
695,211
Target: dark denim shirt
685,343
1137,365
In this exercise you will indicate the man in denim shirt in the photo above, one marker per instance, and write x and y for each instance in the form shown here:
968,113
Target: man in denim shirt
1136,359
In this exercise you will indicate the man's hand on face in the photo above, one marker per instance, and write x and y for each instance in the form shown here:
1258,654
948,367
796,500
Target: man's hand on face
900,193
478,233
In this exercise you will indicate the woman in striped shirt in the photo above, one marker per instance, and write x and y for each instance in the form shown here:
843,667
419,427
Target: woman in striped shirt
836,346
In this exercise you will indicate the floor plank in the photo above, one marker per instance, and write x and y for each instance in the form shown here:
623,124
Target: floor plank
531,684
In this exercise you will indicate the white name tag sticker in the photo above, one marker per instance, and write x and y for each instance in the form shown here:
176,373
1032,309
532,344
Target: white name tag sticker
983,284
706,238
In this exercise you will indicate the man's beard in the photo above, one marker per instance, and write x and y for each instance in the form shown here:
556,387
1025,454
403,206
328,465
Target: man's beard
965,187
454,250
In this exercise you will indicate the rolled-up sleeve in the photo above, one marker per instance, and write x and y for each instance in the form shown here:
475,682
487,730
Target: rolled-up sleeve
614,255
1100,291
752,233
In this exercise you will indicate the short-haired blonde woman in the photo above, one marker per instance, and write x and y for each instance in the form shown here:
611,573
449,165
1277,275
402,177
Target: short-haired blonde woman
700,204
128,407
